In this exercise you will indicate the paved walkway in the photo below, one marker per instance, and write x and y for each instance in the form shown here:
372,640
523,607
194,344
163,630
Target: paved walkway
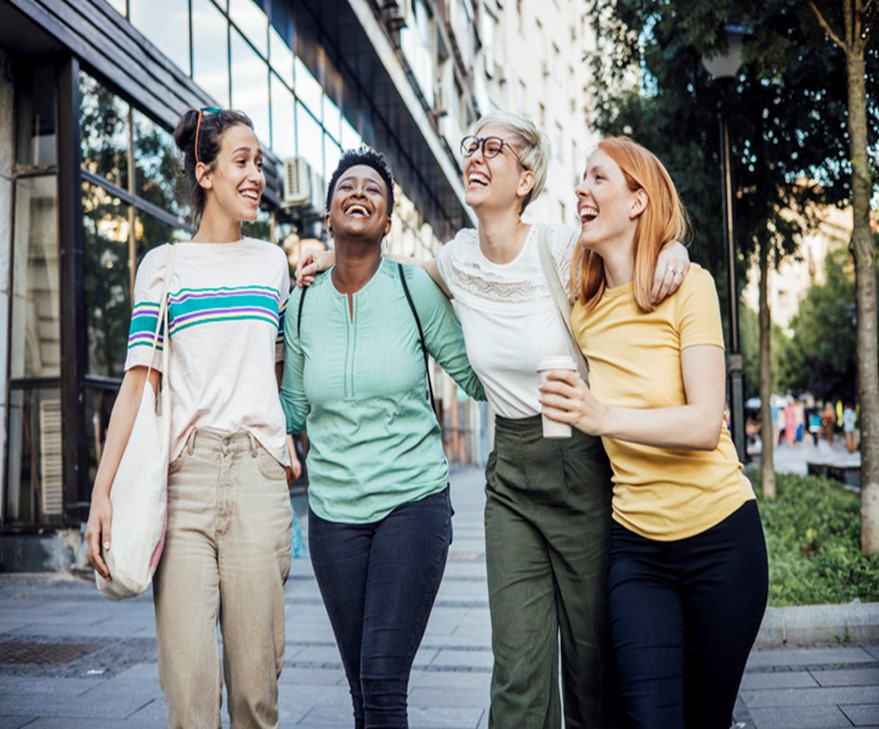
71,660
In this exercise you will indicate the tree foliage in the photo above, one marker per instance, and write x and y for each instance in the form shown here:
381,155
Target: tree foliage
821,356
786,111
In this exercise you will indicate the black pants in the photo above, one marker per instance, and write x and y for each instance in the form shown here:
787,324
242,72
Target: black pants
684,615
378,582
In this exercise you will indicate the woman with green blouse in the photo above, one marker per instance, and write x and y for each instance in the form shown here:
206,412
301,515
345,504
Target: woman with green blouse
354,376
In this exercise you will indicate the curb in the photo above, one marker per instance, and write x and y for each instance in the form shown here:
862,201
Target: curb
807,624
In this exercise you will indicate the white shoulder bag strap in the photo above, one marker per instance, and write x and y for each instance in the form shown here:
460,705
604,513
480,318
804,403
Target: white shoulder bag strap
563,306
163,320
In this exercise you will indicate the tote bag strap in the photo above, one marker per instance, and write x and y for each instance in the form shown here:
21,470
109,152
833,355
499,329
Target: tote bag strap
563,306
162,325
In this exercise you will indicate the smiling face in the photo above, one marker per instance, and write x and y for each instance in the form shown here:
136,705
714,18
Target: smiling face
607,207
235,180
498,181
359,207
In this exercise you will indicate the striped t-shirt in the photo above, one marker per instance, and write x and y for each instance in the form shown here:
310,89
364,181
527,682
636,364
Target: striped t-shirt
226,325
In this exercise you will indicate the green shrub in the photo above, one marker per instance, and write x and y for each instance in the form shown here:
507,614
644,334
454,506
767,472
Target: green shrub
813,538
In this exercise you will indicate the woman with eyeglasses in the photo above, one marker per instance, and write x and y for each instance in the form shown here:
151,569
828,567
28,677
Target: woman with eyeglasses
227,548
547,512
687,578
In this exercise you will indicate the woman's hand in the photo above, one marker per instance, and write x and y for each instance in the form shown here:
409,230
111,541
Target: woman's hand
567,399
97,533
312,263
671,268
294,470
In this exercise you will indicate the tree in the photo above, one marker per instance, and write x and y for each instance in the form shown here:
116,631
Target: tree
788,111
850,25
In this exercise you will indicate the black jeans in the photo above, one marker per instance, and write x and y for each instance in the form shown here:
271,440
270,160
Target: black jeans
684,615
378,582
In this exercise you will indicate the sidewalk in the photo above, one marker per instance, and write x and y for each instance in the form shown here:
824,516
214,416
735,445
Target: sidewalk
71,660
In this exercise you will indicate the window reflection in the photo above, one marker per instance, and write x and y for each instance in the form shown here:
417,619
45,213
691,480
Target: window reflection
210,51
332,118
250,85
103,124
310,139
252,22
98,406
350,136
308,89
332,155
36,117
106,234
281,56
166,24
34,483
155,167
283,120
35,344
150,232
261,228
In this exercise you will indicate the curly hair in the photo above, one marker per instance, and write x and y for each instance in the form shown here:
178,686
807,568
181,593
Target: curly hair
370,157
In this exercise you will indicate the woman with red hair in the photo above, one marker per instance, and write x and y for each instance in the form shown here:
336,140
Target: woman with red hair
687,579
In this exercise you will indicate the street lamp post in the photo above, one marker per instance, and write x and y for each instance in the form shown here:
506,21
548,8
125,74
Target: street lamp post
726,66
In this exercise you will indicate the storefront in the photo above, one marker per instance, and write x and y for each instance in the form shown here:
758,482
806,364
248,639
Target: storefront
89,91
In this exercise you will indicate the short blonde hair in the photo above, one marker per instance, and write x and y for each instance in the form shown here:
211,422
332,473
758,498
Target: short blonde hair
531,144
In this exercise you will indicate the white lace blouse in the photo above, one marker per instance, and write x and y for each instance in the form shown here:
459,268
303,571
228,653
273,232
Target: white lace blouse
507,313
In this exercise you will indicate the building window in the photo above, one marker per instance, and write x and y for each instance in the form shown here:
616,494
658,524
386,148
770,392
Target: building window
33,489
165,23
210,50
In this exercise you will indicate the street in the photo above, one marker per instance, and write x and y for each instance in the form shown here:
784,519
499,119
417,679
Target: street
70,660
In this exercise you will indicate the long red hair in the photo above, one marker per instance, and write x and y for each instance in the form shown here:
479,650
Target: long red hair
664,219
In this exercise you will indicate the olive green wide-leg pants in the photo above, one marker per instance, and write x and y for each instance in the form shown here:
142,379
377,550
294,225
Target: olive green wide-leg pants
547,525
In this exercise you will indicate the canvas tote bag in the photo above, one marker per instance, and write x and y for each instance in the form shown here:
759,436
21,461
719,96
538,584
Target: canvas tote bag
139,495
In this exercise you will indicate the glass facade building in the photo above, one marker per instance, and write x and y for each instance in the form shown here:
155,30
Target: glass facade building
89,92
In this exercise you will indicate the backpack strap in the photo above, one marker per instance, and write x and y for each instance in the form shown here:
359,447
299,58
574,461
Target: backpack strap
420,335
299,313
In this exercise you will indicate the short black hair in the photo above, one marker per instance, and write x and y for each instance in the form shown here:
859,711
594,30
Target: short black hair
214,123
370,157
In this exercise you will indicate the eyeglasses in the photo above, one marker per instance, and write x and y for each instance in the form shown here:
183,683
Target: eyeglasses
490,146
201,113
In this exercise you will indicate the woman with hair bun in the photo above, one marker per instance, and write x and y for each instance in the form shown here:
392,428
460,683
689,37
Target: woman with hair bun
227,549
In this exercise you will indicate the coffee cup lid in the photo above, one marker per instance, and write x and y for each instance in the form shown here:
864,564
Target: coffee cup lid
557,362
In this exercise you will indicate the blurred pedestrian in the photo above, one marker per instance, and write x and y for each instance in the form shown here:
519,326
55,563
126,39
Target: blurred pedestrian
687,580
790,423
379,509
849,419
828,422
227,549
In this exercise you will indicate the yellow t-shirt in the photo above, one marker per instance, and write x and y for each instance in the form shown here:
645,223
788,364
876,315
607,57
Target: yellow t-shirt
635,361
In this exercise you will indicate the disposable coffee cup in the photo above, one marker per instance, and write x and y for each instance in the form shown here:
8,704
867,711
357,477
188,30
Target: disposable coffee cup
564,363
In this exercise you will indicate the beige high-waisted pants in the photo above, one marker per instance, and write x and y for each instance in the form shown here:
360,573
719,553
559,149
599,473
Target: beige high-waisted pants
226,558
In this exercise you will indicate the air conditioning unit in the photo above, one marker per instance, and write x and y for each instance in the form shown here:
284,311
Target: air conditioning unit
297,182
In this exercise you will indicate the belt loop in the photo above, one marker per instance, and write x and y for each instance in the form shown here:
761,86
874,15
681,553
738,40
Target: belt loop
253,444
190,445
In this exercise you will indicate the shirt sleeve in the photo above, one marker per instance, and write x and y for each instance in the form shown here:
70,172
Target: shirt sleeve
442,331
148,285
283,299
292,393
699,311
